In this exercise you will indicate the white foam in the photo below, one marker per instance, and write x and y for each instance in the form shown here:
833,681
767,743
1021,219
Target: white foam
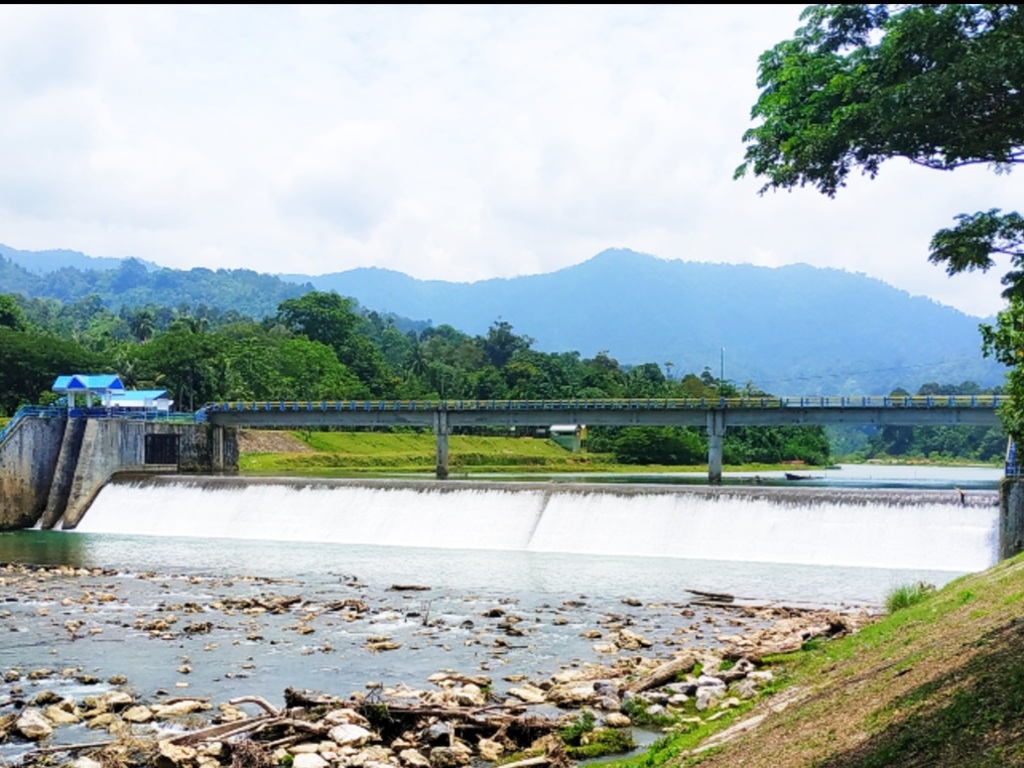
938,535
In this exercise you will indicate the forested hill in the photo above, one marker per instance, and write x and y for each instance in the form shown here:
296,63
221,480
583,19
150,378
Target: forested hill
795,329
789,330
131,283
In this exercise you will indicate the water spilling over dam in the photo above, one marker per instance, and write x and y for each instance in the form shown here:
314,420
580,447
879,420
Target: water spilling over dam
923,529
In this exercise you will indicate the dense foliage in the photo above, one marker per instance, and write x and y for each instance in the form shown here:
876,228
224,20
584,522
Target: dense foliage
322,346
944,442
941,85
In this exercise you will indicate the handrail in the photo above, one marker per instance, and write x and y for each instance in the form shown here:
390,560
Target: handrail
63,412
29,411
986,402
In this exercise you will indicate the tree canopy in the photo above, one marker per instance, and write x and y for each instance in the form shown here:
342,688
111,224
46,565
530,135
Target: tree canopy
940,85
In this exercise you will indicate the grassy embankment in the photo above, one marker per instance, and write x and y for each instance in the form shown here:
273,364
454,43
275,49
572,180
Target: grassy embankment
328,454
939,684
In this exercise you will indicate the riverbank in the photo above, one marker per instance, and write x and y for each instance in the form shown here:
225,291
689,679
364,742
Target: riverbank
935,684
108,661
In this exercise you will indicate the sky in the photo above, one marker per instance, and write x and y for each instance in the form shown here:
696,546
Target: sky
452,143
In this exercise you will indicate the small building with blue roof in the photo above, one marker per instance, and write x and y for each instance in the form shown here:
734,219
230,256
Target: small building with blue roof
105,390
88,389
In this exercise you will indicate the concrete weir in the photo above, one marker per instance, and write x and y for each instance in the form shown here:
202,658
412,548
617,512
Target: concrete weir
51,468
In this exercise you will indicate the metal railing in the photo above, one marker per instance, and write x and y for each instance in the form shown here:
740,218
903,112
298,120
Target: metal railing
63,412
987,402
30,411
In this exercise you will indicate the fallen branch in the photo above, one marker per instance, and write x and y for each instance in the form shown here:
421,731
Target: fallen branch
258,700
718,597
70,747
541,760
221,731
666,673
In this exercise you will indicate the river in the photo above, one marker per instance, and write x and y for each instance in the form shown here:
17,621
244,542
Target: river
186,567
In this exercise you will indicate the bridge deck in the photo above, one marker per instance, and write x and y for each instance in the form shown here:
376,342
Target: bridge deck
698,412
986,402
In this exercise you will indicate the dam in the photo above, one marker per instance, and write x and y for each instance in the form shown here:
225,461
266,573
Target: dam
866,528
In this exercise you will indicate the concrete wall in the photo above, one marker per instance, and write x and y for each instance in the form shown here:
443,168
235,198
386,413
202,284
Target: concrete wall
28,459
51,469
64,475
1011,518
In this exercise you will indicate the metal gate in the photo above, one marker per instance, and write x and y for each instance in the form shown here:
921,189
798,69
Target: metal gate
162,449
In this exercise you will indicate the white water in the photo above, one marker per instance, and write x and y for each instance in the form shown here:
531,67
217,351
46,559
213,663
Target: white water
924,530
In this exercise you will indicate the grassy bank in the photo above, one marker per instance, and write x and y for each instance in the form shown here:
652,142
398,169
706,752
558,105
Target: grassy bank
939,683
341,453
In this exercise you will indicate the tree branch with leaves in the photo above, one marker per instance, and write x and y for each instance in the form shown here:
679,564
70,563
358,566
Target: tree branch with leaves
940,85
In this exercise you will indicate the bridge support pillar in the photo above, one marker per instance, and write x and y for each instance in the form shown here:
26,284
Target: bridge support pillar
716,430
441,430
217,449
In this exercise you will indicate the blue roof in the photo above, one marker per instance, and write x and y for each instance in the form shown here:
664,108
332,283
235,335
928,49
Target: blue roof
142,394
94,382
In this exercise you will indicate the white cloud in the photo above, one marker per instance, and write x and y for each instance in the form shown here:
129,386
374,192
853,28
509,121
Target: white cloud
447,142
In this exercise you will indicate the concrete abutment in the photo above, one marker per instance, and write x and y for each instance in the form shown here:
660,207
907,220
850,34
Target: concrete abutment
52,468
1011,518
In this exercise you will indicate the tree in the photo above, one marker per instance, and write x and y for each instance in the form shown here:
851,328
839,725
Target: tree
320,316
11,315
142,323
183,363
332,320
31,362
500,343
940,85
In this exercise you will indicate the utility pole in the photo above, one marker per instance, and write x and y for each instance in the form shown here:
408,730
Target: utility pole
721,375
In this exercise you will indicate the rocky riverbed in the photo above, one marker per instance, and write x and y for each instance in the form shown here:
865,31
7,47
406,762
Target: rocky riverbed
123,668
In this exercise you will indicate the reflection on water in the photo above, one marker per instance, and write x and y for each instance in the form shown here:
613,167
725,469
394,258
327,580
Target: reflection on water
899,476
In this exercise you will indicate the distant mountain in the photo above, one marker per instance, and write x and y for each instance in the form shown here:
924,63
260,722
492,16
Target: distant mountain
131,283
789,330
41,262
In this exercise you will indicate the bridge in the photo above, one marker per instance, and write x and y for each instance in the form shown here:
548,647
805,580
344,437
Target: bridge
712,414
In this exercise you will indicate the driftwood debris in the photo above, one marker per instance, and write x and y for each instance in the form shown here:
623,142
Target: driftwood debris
713,597
530,761
53,748
663,674
268,603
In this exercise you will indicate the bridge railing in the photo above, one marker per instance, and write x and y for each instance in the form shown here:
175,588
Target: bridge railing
54,411
576,404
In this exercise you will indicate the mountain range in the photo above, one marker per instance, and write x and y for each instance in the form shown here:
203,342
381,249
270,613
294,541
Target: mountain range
790,330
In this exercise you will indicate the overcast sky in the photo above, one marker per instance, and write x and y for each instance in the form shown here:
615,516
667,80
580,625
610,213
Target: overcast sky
447,142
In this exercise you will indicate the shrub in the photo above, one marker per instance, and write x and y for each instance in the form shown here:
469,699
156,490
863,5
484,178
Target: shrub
905,596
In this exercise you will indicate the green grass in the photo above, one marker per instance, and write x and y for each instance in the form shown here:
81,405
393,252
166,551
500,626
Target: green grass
363,453
907,595
367,452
